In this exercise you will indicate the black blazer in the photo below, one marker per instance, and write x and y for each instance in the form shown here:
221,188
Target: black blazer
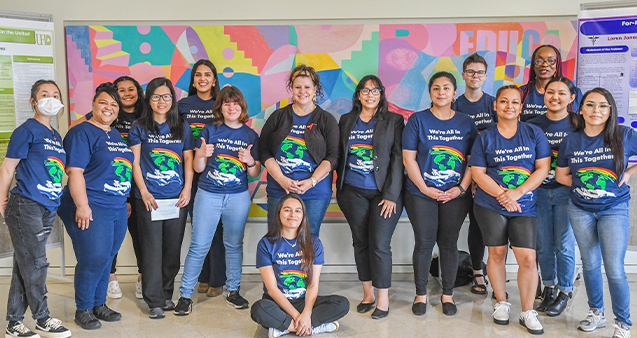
387,148
321,135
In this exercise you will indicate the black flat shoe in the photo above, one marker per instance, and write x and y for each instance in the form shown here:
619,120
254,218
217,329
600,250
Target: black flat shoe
559,304
378,313
86,320
365,307
419,309
448,308
104,313
548,296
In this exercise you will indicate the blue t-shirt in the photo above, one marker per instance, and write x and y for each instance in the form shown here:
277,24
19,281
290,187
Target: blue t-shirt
224,172
161,159
534,104
360,156
297,164
122,124
285,259
197,112
555,132
106,160
592,167
481,111
442,148
42,160
509,163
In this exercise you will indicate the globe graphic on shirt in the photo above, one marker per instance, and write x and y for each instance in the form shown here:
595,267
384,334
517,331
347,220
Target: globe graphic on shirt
446,158
513,177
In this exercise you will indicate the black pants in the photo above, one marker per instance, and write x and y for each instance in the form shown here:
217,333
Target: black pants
433,222
268,313
371,233
474,239
161,251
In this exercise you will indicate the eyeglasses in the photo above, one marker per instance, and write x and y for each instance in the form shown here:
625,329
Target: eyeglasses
374,91
539,62
590,106
471,72
166,97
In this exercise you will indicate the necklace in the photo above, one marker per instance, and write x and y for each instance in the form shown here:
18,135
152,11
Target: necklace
105,131
286,240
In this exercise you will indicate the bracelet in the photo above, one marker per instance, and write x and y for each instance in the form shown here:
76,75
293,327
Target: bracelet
462,191
314,181
252,165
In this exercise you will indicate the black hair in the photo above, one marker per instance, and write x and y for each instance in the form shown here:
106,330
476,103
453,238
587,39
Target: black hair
438,75
533,76
139,105
36,88
191,88
175,122
574,118
383,105
110,89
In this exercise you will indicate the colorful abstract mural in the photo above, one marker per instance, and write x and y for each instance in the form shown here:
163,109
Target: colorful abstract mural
258,59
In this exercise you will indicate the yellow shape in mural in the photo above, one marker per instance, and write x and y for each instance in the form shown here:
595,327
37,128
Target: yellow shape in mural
215,42
446,64
319,61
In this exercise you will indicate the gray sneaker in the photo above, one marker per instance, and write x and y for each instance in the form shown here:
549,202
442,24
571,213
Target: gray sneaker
593,320
621,330
156,313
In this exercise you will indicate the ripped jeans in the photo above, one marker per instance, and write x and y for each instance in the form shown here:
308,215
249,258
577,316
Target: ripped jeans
29,226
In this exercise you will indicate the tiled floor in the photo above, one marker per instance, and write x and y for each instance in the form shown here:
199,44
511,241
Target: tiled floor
212,317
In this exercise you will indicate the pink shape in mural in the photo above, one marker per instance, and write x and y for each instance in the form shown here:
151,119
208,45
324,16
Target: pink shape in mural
316,40
441,39
144,48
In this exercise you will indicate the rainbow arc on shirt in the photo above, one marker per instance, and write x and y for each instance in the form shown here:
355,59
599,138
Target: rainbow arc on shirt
600,171
233,160
513,169
54,161
121,160
166,152
453,152
356,147
293,273
196,128
124,137
295,140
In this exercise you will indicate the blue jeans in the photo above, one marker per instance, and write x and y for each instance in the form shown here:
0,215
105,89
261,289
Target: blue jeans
555,239
208,209
603,236
315,212
94,248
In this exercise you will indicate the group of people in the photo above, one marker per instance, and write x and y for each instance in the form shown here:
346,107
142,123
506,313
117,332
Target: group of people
537,168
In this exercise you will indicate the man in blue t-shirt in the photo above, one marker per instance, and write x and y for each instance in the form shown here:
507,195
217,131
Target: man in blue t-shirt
474,102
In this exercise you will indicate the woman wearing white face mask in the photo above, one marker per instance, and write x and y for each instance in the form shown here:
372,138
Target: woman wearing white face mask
36,154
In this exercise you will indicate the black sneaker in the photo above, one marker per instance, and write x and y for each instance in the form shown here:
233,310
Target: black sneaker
86,320
104,313
184,306
52,328
19,330
235,299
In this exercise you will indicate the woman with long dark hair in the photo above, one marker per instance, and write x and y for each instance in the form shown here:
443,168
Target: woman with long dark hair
93,205
508,162
196,109
593,162
369,186
546,63
290,259
36,156
162,143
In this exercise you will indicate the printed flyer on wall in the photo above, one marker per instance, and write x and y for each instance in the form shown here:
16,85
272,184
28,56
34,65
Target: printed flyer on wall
26,55
607,56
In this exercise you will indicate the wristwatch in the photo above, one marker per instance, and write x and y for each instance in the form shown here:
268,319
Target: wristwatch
462,191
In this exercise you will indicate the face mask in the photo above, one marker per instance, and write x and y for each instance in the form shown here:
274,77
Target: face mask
49,106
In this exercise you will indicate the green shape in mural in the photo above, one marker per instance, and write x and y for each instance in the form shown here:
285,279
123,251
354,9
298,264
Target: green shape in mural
364,61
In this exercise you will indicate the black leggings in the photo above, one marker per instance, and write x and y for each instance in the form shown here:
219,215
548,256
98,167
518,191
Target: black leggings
433,222
474,239
268,313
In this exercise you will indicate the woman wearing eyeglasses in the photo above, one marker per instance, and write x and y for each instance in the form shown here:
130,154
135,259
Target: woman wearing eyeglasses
593,162
369,184
546,63
162,144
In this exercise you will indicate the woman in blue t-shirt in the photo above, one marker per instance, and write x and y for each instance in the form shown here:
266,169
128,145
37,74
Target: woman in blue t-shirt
299,148
369,186
546,63
436,146
555,239
196,109
226,154
592,161
509,162
290,260
93,205
36,156
162,143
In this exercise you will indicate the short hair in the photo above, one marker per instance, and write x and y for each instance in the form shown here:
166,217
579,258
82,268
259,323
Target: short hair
306,71
474,58
230,94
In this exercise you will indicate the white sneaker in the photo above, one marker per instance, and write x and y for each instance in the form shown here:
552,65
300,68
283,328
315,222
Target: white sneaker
52,328
274,333
593,320
325,328
501,313
113,290
138,290
621,330
19,330
529,320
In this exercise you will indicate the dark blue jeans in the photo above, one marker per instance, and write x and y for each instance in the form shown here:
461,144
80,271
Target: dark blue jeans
29,226
94,248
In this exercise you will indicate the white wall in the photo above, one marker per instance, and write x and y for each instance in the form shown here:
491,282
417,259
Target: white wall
276,12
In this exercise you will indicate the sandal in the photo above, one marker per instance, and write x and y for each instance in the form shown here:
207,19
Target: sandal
479,289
